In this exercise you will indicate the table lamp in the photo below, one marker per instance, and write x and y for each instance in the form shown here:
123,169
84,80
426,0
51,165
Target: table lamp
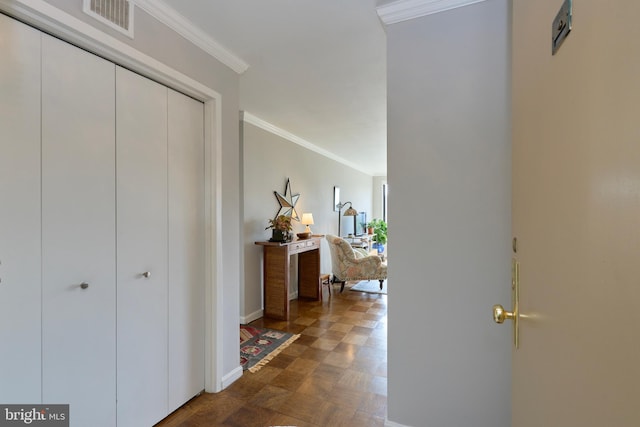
307,219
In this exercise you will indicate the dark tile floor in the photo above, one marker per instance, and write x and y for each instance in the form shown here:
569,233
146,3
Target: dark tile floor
335,374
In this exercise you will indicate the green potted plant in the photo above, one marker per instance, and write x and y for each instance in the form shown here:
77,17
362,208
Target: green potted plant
370,226
280,228
379,232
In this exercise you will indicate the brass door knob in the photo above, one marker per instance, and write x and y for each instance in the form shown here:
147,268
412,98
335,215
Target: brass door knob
500,314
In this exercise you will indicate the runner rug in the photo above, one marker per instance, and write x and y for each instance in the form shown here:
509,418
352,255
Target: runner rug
259,345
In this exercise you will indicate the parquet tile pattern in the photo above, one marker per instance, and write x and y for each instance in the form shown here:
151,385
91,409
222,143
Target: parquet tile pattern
335,374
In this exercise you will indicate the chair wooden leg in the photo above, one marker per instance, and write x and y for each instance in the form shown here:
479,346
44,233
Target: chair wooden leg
381,284
336,280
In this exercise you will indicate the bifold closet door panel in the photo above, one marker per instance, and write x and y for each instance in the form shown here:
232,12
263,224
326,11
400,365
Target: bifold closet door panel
78,233
20,271
186,248
141,176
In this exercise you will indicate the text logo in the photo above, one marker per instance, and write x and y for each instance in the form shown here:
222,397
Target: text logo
34,415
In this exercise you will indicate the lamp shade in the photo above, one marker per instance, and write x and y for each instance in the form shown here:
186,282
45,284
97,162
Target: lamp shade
350,212
307,219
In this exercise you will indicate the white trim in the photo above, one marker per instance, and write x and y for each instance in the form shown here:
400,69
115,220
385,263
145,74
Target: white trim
256,121
404,10
48,18
231,377
181,25
251,317
388,423
215,378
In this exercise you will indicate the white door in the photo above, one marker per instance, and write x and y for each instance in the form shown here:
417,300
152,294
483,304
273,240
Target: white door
576,214
141,135
78,232
186,248
20,273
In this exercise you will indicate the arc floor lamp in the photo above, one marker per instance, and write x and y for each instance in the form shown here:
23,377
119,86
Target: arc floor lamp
349,212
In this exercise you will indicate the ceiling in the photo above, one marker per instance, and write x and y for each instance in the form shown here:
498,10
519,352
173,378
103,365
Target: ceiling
316,70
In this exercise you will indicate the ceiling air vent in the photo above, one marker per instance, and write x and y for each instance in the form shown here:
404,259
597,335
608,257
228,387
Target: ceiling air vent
117,14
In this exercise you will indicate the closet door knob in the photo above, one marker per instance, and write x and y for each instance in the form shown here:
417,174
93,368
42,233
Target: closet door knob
84,285
147,274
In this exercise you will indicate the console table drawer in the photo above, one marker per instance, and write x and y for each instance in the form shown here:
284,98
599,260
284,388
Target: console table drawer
302,246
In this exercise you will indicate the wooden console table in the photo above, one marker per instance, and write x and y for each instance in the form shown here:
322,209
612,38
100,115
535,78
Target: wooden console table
276,258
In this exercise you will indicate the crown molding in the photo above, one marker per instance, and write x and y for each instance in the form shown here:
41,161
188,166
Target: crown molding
404,10
262,124
181,25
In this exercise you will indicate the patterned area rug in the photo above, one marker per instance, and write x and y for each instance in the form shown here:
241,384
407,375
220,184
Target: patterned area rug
259,345
371,286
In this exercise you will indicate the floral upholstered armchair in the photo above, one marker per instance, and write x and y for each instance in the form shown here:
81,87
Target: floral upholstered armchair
349,264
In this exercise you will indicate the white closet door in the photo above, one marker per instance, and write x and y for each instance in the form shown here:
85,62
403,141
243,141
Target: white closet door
78,232
20,272
186,248
142,249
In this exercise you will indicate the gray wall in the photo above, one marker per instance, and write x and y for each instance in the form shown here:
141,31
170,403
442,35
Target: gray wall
449,172
268,161
156,40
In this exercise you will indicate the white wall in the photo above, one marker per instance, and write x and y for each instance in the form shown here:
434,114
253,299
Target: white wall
378,182
163,44
449,215
268,160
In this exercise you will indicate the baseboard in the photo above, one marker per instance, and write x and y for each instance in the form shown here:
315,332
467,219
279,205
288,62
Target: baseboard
388,423
251,317
293,295
231,377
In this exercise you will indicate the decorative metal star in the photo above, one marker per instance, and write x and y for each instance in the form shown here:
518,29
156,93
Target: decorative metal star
287,202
